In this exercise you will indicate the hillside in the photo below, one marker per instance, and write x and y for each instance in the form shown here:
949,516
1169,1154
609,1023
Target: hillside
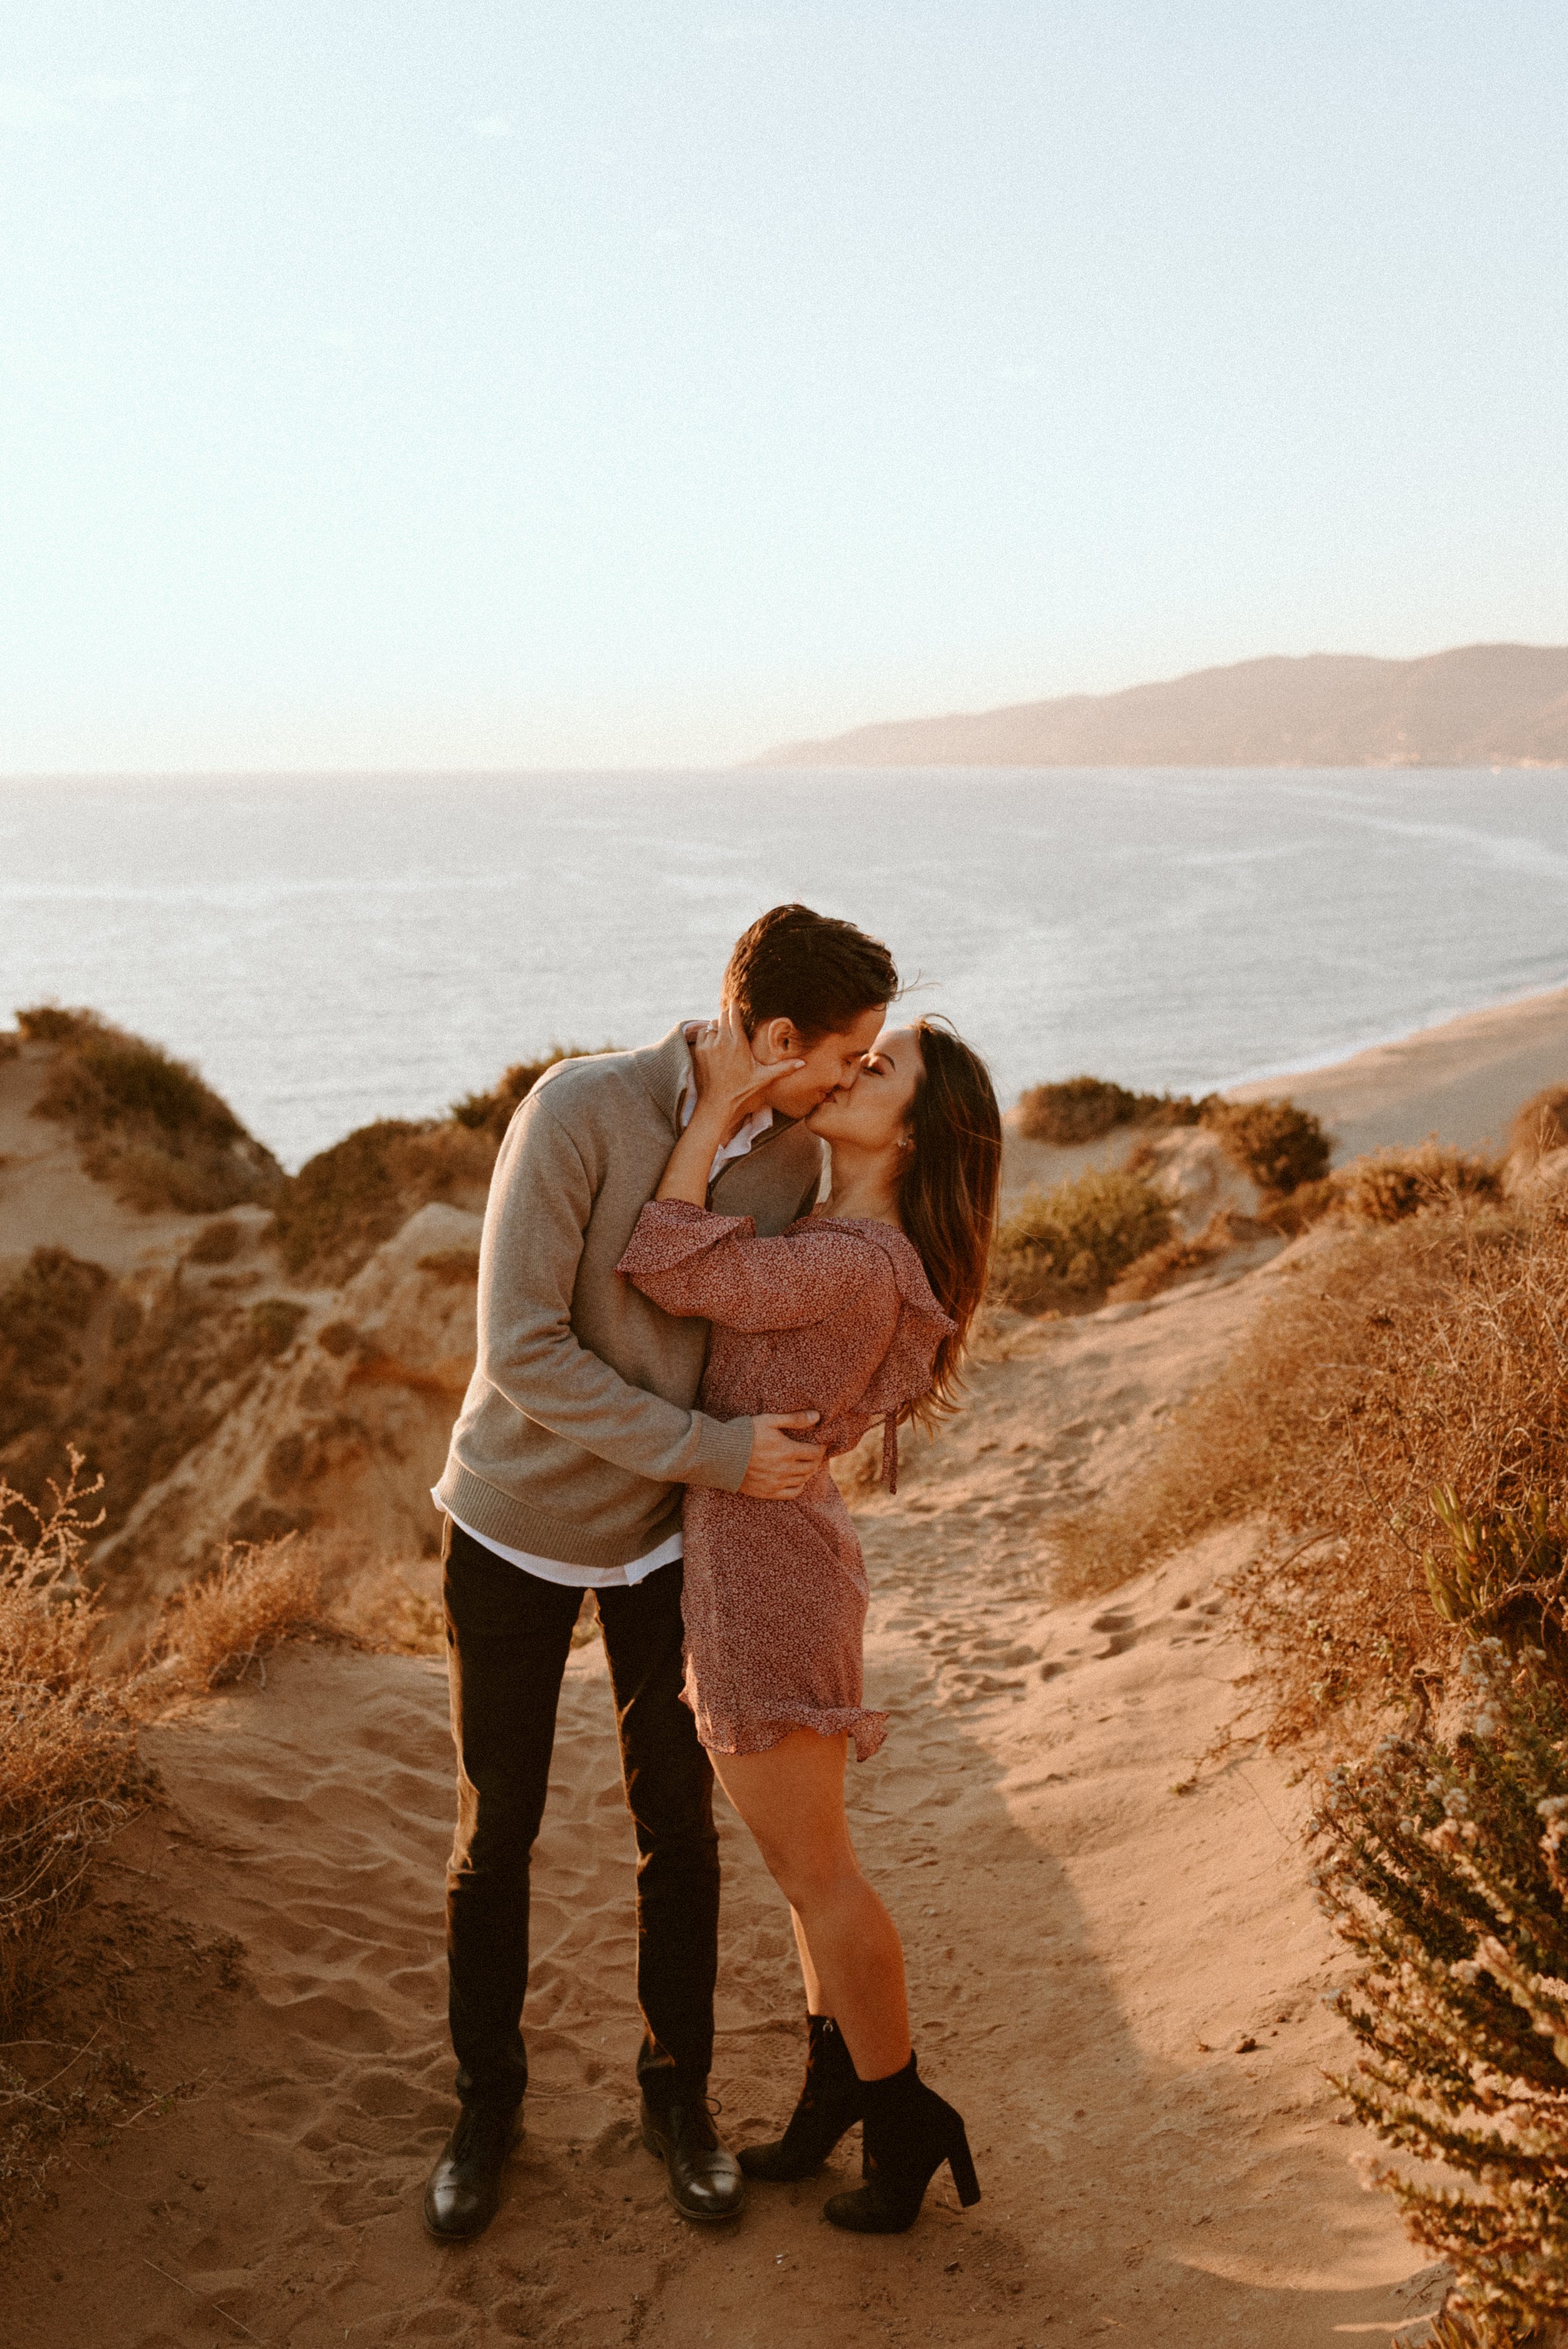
1480,706
291,1362
1142,2069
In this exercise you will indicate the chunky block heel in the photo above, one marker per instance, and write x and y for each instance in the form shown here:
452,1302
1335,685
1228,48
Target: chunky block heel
961,2162
909,2132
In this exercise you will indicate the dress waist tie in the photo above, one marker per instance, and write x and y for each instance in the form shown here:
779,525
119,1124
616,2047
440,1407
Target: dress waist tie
890,1451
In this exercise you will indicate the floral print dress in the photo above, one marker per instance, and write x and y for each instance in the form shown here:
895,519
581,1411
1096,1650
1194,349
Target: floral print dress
834,1315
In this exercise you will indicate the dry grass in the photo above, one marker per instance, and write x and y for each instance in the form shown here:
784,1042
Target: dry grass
1399,1361
216,1630
146,1123
1060,1249
69,1776
68,1748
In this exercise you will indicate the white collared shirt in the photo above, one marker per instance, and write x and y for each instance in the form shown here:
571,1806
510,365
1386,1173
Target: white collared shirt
620,1577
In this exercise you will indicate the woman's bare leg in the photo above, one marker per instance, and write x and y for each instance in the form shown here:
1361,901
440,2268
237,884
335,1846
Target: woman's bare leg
808,1975
792,1799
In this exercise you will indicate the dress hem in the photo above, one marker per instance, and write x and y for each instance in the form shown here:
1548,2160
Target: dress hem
868,1729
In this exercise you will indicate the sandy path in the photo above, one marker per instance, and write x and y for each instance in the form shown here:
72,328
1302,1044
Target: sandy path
1075,1929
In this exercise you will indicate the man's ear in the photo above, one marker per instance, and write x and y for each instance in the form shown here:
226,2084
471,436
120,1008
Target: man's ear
775,1039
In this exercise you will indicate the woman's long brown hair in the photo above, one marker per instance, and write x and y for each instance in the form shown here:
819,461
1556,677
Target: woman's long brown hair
948,1201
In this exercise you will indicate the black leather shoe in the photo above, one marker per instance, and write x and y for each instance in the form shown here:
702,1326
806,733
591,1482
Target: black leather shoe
703,2176
462,2193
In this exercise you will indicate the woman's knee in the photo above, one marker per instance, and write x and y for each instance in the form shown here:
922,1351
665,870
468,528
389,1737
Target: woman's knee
813,1879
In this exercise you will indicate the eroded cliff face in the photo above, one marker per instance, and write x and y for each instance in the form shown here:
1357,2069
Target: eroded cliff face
341,1432
220,1393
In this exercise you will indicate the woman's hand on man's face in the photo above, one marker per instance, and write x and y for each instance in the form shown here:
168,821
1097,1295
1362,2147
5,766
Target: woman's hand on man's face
730,1083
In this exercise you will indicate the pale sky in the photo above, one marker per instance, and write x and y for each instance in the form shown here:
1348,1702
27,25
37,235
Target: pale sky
470,384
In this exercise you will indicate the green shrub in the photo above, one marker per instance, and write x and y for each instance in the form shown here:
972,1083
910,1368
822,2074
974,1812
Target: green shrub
1067,1245
345,1202
1083,1108
1279,1144
1444,1872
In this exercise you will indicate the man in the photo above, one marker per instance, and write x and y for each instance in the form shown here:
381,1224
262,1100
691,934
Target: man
576,1437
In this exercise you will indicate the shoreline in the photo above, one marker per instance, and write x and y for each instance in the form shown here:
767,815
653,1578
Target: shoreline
1462,1078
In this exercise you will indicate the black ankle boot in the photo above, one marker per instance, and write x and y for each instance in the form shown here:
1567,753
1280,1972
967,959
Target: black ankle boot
909,2132
831,2100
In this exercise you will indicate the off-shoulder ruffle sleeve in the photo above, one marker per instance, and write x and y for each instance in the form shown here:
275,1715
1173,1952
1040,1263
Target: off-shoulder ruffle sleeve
691,1262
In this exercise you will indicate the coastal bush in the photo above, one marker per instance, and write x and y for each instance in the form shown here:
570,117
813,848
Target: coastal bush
1085,1109
348,1200
146,1123
1063,1246
1392,1183
1540,1126
1397,1363
216,1243
1444,1872
1279,1144
491,1112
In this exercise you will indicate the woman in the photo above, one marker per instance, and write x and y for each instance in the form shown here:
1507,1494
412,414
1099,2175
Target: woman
860,1312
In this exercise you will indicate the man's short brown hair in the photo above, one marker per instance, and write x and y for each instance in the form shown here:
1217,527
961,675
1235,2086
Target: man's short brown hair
822,974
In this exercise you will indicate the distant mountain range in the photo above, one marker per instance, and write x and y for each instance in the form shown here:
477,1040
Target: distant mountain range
1480,706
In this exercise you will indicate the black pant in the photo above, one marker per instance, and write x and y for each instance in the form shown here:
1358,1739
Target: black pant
507,1638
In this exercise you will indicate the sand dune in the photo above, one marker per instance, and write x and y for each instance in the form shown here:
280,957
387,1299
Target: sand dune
1089,1953
1118,1982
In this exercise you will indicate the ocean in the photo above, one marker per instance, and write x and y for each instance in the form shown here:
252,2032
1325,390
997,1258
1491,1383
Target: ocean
329,950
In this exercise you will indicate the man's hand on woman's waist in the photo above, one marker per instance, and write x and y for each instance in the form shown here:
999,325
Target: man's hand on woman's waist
780,1465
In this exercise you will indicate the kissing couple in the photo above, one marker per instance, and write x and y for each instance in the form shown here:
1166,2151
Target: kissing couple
677,1332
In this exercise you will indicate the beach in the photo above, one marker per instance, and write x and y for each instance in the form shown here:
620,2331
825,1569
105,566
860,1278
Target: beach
1462,1081
1117,1967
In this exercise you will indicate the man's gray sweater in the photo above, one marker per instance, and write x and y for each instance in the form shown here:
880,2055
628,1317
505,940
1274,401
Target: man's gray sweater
577,1430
